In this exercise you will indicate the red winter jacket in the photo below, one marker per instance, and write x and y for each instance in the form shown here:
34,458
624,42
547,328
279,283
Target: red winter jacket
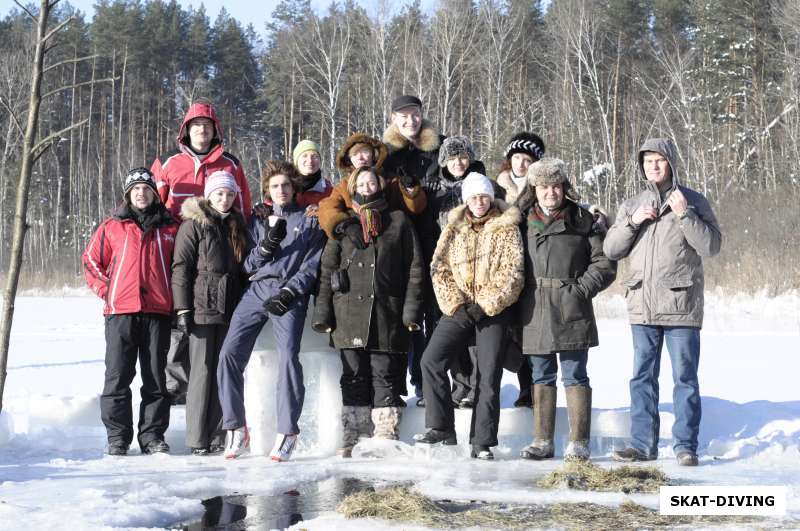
181,174
130,268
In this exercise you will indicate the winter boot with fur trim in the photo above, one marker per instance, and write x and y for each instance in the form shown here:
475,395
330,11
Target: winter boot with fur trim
356,420
544,420
579,409
387,422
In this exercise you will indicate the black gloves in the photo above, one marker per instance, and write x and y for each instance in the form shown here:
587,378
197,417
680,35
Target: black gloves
408,181
469,314
462,316
279,304
475,313
184,322
273,238
353,231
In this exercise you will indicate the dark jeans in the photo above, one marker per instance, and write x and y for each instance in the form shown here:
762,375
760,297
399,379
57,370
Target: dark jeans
573,368
683,344
130,337
371,378
449,339
203,410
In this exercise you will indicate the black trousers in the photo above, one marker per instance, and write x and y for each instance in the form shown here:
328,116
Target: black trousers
128,337
448,341
203,409
371,378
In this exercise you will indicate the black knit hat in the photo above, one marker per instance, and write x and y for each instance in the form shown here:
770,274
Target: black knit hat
525,142
136,176
404,101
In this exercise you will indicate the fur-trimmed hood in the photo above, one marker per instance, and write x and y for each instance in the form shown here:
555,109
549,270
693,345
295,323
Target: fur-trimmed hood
506,182
200,210
427,140
509,216
379,150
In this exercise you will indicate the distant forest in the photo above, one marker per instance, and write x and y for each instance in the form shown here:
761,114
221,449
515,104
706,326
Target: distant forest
594,78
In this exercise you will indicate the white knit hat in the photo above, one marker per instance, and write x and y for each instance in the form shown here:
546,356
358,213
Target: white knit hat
476,183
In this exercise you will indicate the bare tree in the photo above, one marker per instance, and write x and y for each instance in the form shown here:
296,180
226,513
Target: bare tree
31,151
323,51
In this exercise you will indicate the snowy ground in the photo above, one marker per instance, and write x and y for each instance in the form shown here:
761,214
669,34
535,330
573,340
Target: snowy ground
53,473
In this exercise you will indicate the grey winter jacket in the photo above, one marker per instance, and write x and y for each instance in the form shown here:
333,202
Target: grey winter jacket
295,265
664,285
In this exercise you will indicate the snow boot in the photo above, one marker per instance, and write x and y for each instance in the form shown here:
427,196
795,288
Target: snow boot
284,446
434,436
117,448
544,420
237,442
387,422
156,446
356,421
579,410
484,453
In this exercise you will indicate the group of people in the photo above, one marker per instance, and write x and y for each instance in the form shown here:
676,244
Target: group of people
415,262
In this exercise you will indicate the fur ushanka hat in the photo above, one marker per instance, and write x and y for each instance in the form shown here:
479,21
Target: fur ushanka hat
549,171
455,145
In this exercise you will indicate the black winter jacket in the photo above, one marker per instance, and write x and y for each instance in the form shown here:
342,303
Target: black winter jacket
564,269
206,278
385,294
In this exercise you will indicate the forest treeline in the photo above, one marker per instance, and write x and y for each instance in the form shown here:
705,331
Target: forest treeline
592,77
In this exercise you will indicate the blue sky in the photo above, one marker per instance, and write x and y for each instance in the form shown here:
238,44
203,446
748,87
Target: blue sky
245,11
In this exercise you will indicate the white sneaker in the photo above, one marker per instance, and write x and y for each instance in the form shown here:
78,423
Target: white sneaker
284,446
237,442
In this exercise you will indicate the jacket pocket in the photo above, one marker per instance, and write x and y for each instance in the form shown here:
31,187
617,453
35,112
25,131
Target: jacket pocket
633,295
674,296
573,303
225,295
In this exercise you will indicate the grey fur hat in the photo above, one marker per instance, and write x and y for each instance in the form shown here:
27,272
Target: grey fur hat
455,145
550,171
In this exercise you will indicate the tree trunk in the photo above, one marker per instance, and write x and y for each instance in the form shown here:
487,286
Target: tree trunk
21,210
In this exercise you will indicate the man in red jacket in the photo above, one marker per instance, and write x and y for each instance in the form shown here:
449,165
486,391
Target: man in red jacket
127,264
181,174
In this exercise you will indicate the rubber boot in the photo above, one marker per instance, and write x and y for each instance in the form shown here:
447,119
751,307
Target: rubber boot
544,420
579,409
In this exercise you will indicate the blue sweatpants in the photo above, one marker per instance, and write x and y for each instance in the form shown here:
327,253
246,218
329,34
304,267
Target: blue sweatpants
248,319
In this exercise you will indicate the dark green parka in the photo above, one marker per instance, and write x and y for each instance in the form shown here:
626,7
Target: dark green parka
385,293
564,269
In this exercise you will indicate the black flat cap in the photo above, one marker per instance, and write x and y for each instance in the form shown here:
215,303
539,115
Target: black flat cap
405,100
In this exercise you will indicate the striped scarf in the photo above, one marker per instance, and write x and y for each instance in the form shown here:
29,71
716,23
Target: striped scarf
369,210
538,220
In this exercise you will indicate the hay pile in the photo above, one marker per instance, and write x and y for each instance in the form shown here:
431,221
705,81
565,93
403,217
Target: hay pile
585,475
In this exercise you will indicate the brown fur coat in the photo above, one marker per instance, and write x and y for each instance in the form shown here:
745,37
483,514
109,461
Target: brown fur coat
485,267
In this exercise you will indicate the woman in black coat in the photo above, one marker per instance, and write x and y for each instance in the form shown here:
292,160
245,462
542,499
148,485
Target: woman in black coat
207,282
371,313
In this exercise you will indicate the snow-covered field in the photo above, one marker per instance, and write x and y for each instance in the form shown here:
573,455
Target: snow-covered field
54,475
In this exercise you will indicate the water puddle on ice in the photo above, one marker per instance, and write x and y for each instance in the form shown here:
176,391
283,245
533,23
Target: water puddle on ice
278,511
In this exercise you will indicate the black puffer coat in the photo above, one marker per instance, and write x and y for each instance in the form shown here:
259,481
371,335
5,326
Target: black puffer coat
385,289
206,278
564,269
